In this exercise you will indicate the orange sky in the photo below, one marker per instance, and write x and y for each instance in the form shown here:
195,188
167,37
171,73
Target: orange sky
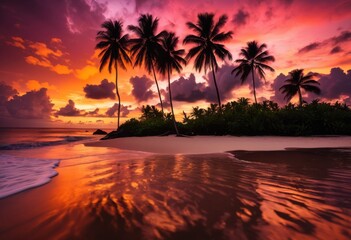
50,44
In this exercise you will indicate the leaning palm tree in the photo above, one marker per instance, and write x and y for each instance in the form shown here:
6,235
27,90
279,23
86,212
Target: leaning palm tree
171,59
208,47
146,46
114,48
298,80
255,60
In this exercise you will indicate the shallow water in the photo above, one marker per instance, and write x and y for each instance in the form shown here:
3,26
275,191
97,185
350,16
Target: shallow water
27,138
108,194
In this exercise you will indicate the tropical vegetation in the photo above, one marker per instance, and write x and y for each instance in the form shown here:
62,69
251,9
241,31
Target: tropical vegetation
240,118
298,81
114,51
255,60
146,47
207,40
158,53
171,59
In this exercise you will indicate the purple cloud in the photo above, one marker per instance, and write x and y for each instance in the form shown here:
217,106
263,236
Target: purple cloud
6,92
227,82
101,91
310,47
187,89
278,97
112,110
344,36
31,105
336,49
240,18
141,88
70,110
335,84
93,113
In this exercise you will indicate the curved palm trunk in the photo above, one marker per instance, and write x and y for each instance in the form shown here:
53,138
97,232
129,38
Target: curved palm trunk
158,89
215,82
300,97
119,98
170,101
253,83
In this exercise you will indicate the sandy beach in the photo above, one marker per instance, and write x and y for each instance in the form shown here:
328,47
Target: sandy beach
217,144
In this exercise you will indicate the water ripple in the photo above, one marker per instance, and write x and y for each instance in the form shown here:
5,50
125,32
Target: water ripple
256,195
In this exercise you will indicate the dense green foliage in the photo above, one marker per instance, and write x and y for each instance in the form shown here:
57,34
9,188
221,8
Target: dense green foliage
241,118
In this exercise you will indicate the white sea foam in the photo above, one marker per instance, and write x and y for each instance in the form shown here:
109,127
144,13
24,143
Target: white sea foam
18,173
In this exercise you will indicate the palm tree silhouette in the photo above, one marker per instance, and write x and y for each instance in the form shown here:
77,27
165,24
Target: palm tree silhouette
207,40
146,47
255,59
298,80
171,59
114,48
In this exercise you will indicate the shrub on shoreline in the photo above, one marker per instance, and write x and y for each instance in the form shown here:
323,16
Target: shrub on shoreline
240,118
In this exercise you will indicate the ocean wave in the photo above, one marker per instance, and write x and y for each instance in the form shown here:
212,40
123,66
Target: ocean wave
18,173
29,145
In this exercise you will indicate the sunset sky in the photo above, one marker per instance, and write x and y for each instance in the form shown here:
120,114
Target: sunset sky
49,69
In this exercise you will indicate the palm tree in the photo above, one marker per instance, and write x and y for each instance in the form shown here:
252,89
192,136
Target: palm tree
146,47
171,59
114,48
298,80
255,60
208,47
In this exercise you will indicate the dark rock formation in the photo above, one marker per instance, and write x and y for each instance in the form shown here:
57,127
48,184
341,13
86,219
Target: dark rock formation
99,132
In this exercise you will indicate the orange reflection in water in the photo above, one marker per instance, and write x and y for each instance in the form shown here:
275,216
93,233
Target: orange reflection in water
107,193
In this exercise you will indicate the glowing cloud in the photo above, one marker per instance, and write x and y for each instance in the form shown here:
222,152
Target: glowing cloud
58,68
86,72
41,49
36,85
17,42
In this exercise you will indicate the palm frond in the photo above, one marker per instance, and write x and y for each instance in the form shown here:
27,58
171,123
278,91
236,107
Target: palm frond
221,37
193,39
311,88
221,22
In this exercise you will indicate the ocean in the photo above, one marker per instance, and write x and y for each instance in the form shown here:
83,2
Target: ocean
53,186
22,161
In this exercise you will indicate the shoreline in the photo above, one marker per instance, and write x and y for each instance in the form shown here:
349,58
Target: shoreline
117,195
219,144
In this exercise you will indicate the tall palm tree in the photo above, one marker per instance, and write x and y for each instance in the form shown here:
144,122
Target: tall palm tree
255,60
146,46
208,47
298,80
114,48
171,59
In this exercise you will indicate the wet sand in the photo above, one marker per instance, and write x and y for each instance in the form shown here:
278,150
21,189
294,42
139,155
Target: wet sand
216,144
297,194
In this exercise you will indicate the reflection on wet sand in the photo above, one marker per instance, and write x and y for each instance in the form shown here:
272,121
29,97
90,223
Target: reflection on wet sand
266,195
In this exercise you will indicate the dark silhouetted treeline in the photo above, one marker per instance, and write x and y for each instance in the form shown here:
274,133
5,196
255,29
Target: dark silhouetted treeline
241,118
